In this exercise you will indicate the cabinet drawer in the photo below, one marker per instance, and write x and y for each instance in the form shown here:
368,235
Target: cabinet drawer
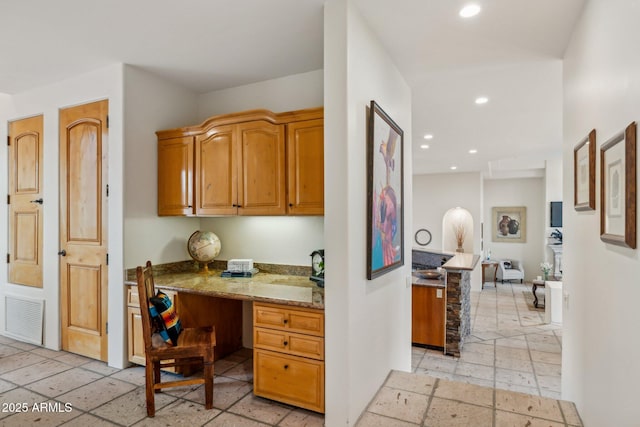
133,299
290,343
306,321
289,379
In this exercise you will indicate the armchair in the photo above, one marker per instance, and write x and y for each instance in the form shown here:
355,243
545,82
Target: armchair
509,269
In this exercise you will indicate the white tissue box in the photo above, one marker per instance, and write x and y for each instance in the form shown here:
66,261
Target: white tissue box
240,265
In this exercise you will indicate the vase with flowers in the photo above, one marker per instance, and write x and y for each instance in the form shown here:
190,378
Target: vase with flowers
459,232
546,268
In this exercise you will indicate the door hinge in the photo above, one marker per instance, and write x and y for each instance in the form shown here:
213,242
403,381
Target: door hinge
8,199
8,258
107,259
107,190
8,140
107,328
107,121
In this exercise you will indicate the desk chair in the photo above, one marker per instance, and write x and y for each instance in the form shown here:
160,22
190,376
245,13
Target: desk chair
194,346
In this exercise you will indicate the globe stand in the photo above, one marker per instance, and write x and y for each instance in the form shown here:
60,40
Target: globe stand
205,268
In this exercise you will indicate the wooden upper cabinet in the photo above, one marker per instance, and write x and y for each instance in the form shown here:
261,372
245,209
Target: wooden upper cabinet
261,179
175,176
305,167
216,172
250,163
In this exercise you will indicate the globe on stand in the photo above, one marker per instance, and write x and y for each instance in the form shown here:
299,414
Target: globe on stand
204,246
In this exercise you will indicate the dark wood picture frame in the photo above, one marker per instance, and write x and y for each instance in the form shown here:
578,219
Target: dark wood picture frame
385,193
618,189
584,174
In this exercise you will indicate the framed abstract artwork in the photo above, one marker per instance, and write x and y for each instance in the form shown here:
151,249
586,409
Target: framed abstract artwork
618,189
509,224
584,174
385,193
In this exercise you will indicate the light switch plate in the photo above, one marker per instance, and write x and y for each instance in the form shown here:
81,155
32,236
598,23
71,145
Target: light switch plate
439,293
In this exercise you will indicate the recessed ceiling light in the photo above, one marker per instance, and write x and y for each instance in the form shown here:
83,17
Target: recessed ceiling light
473,151
453,168
482,100
424,146
428,136
469,10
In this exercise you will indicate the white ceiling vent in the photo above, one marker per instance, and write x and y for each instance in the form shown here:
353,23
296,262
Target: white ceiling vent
24,318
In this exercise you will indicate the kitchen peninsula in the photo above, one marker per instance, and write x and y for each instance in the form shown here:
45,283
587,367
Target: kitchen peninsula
457,286
288,323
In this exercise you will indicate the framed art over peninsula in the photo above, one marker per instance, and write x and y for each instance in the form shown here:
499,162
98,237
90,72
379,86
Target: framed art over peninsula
618,189
385,193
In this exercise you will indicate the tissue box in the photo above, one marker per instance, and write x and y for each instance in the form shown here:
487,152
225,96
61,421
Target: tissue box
240,265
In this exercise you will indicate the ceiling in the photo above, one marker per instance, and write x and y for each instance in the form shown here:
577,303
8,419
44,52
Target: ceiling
511,53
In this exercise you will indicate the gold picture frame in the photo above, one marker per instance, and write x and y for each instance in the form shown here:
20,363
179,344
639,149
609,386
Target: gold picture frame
509,224
584,174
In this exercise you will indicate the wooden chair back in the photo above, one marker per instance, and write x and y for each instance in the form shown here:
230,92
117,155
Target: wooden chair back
146,289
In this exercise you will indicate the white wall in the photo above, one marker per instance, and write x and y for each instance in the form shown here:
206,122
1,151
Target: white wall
528,192
275,240
367,323
294,92
434,195
600,369
105,83
152,104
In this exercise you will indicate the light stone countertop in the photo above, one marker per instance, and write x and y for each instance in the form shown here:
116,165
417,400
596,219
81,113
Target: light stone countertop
264,287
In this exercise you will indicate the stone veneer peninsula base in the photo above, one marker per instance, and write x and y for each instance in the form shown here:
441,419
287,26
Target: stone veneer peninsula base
458,316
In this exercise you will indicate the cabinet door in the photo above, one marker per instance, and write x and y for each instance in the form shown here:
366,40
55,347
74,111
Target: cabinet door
305,167
216,172
428,316
261,176
175,176
134,335
289,379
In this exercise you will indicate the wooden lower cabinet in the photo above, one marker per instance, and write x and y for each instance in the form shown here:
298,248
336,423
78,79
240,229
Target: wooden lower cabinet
288,355
428,316
289,379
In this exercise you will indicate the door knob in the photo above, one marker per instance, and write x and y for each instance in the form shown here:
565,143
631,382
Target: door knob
62,253
39,201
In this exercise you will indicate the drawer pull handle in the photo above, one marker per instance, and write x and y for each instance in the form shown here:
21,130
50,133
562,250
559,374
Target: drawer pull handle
285,321
286,366
286,343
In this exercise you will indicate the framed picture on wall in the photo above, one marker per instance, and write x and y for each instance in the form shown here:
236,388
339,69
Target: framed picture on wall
509,224
385,194
618,189
584,174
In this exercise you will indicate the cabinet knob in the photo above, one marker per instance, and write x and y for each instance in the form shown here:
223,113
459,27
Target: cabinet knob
286,321
290,205
286,343
286,366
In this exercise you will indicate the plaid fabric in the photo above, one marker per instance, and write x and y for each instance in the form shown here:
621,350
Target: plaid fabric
169,321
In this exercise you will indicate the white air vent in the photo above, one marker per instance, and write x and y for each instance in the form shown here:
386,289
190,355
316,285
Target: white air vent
24,318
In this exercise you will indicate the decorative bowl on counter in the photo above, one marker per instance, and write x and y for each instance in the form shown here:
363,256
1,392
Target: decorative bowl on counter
428,274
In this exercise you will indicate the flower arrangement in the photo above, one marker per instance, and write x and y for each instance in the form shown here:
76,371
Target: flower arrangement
546,268
459,233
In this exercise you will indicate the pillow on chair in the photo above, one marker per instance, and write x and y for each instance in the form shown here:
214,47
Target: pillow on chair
168,322
507,265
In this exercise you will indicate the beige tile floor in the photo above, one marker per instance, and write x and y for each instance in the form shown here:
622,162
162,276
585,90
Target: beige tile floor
508,374
510,350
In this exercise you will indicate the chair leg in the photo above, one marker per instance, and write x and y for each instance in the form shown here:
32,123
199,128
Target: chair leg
151,405
208,383
156,375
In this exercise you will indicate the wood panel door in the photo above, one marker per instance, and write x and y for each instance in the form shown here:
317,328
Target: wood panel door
261,179
175,176
83,229
428,315
305,167
25,201
216,172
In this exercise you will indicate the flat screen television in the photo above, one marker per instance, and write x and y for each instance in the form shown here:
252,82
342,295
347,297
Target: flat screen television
556,214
